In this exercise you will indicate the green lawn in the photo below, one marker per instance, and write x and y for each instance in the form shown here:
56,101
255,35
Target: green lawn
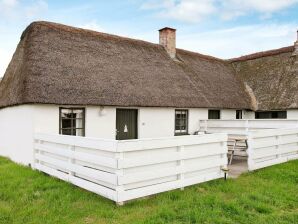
266,196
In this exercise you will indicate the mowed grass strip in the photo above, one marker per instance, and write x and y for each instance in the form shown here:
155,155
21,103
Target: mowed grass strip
269,195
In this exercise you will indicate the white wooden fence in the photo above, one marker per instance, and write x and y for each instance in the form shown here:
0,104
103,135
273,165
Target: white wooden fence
270,147
270,141
243,127
125,170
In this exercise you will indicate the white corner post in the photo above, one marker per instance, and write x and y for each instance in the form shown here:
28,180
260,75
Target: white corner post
120,173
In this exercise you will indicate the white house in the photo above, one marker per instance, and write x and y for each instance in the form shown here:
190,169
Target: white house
71,81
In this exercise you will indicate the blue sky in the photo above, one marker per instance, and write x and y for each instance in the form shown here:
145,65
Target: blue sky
222,28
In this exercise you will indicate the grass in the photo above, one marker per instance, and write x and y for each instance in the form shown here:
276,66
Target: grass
266,196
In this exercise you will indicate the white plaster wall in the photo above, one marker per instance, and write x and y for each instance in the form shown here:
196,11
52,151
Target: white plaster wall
156,122
196,114
292,114
100,122
46,119
248,114
227,114
16,137
160,122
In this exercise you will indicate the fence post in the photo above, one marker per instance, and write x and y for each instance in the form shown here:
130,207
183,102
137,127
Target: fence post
278,154
246,127
250,152
205,126
120,173
224,144
35,151
71,161
181,166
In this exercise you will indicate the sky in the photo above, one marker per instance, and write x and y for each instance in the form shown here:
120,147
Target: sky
221,28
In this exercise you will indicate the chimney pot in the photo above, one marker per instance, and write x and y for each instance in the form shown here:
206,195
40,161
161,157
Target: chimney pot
167,38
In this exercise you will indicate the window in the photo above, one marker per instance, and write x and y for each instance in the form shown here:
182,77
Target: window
238,114
72,121
271,115
213,114
181,122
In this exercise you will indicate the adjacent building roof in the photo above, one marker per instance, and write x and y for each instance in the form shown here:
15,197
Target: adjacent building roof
58,64
272,77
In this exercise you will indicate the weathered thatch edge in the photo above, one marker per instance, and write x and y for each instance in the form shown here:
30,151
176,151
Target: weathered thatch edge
262,54
285,72
118,106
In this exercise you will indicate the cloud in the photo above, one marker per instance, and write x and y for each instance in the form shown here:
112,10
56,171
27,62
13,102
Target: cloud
35,9
195,11
157,4
242,40
9,3
190,10
16,9
236,8
261,6
7,7
184,10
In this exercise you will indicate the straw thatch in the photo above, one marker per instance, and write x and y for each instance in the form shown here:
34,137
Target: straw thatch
57,64
272,76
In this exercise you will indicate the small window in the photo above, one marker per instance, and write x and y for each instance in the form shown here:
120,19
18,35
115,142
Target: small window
181,122
271,115
213,114
72,121
238,114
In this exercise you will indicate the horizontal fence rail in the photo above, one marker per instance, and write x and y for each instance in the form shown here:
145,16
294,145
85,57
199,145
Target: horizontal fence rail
243,127
270,147
129,169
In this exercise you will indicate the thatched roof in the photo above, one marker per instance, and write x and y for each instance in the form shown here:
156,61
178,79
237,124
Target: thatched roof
57,64
272,76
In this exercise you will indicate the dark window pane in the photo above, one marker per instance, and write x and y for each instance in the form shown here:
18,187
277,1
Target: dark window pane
214,114
271,114
66,123
238,114
66,132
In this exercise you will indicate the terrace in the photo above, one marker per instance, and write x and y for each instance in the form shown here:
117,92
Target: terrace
123,170
254,144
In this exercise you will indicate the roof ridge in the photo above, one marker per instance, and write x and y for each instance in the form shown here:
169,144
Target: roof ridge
263,54
204,56
74,29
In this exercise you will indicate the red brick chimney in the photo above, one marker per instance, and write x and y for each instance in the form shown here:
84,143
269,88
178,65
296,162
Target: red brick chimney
167,38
